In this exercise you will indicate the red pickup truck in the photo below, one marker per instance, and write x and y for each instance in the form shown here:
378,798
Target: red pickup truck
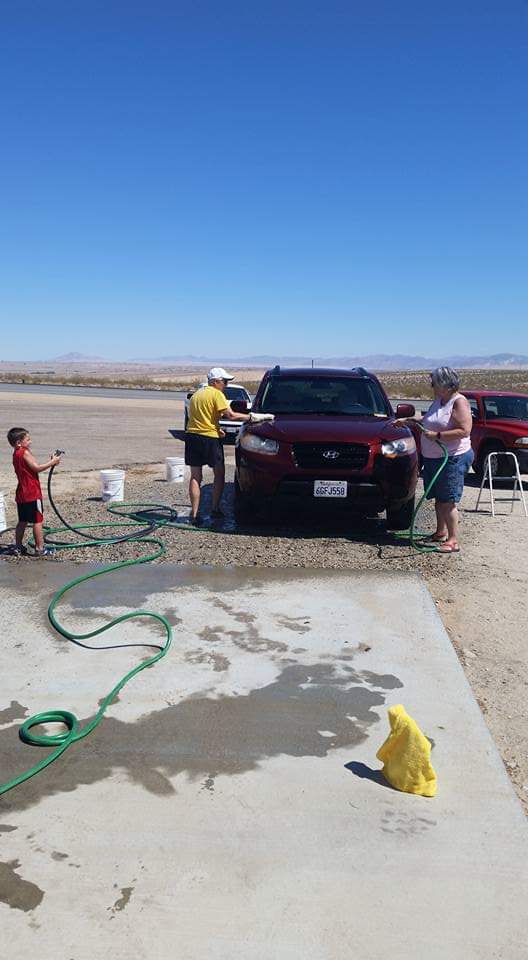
500,422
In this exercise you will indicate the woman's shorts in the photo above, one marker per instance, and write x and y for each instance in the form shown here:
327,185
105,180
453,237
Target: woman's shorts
449,486
201,451
30,512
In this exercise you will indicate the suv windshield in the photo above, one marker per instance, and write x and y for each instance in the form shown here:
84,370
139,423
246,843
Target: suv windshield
335,396
506,408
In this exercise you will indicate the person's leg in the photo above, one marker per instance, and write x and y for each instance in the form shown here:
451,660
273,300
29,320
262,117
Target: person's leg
194,490
449,514
218,485
19,533
38,536
441,522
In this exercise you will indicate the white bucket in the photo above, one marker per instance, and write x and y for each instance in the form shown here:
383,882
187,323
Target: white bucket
3,523
174,469
112,485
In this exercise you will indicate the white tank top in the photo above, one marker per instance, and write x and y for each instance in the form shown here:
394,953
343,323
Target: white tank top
440,417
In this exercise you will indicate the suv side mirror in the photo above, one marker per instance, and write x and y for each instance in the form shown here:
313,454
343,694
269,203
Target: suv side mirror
239,406
404,410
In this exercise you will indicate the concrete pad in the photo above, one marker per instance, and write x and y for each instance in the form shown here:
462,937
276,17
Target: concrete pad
229,807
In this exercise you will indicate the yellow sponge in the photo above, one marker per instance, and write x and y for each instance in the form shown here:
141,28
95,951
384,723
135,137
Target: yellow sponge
406,755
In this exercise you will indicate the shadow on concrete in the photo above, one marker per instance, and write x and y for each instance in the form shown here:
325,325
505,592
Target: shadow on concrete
367,773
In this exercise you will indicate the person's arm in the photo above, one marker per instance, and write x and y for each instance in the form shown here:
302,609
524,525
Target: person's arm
406,421
463,420
40,467
228,414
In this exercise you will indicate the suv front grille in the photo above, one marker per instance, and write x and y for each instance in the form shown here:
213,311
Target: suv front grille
336,456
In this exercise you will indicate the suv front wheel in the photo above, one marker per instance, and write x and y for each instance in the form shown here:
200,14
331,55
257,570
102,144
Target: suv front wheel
250,509
400,518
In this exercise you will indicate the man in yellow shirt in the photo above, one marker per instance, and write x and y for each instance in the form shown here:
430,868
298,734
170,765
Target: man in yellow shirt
203,444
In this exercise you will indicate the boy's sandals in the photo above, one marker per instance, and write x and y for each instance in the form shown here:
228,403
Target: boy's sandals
434,538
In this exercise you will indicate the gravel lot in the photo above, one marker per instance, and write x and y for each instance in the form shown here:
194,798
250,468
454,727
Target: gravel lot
481,594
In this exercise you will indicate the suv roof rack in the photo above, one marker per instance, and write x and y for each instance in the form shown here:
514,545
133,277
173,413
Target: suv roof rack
276,369
360,370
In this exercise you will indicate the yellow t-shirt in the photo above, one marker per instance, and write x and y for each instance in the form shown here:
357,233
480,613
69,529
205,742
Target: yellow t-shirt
205,408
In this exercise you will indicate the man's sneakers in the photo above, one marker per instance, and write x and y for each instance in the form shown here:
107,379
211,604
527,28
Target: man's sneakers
204,521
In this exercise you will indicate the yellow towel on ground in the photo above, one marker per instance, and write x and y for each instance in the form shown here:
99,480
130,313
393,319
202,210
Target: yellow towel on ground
406,755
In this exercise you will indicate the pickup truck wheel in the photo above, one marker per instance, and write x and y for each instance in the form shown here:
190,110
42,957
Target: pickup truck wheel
499,468
400,518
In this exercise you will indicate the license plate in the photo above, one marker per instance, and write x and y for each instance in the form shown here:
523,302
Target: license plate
330,488
230,429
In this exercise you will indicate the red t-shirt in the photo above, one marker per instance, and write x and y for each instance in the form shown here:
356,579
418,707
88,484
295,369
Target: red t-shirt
28,488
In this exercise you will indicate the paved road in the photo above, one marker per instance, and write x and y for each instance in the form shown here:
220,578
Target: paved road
59,391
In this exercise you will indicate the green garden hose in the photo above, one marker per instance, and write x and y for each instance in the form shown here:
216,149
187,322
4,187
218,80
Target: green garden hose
136,514
61,741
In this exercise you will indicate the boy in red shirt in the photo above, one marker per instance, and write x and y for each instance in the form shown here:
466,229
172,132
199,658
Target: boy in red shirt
28,493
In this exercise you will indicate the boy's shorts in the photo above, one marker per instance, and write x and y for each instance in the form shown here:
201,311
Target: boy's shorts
30,512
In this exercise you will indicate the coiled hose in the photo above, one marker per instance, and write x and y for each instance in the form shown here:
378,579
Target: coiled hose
148,517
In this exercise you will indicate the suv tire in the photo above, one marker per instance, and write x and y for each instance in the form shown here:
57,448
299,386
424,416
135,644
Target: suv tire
249,509
400,518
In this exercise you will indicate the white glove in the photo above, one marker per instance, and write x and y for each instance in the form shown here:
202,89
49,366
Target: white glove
260,417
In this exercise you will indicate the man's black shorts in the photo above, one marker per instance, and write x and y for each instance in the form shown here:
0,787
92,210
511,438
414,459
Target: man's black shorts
30,512
201,451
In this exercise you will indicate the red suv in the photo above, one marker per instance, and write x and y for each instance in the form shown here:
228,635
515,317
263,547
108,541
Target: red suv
333,437
500,422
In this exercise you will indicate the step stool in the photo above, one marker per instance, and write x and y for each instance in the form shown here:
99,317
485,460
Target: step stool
488,475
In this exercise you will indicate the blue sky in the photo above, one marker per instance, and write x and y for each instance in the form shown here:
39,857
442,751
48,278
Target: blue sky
278,177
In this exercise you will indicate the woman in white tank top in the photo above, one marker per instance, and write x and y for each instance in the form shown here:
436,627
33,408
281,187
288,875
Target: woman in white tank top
448,419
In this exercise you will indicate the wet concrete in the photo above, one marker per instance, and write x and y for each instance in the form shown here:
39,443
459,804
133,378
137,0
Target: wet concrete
15,711
231,806
228,734
17,893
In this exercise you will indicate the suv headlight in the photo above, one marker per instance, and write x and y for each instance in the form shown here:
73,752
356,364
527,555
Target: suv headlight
256,444
521,442
399,448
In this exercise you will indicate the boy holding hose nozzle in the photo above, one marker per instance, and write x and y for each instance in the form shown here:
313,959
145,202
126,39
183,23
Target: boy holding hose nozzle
28,493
